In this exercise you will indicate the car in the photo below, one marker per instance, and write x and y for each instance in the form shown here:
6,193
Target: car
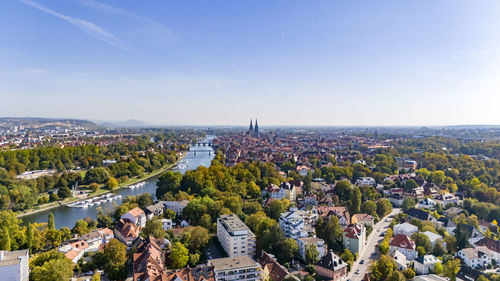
362,262
357,271
498,270
373,253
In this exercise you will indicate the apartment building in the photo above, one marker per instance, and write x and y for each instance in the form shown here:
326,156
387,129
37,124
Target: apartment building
242,268
235,236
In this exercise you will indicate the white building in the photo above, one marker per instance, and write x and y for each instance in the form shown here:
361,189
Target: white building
433,237
14,266
405,245
476,257
366,181
405,228
167,224
136,216
235,236
236,268
425,264
321,247
176,206
296,224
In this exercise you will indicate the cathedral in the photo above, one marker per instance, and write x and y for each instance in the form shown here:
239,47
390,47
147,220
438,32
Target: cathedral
253,131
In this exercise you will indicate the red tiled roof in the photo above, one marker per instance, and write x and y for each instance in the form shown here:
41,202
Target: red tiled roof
402,241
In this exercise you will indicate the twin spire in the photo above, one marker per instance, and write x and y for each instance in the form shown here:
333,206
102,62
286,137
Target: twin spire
253,131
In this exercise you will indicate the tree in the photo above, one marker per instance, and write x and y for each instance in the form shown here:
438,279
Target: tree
198,239
154,228
384,207
382,268
421,251
348,257
311,254
5,241
64,192
438,178
53,238
343,188
411,184
384,247
168,182
81,227
51,266
96,277
29,237
170,214
354,200
115,257
288,249
396,276
451,268
332,232
438,249
438,268
409,273
179,255
97,175
369,207
408,203
111,183
422,240
94,186
51,223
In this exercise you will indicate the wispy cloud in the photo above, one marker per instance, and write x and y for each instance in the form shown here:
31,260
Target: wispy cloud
84,25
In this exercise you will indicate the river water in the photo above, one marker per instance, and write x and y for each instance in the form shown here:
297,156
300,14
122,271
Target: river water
67,216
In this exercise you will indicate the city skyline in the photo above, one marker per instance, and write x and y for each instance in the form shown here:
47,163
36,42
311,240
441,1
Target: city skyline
388,63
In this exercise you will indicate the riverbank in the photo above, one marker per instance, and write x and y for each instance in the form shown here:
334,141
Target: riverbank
52,205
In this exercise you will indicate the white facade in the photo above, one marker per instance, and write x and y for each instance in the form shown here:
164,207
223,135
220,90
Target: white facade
365,181
234,236
14,266
296,224
319,243
176,206
425,264
476,257
242,268
405,228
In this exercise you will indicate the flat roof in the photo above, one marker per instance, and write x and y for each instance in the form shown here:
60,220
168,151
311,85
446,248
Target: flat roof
233,263
232,223
10,258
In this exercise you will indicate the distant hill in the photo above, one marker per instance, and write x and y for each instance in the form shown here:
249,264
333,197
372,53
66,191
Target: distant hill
40,123
132,123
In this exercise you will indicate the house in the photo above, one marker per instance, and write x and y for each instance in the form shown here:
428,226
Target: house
354,238
199,273
469,274
97,238
433,237
484,225
477,257
429,277
363,219
400,260
447,198
365,181
167,224
332,267
303,170
406,163
286,190
14,265
176,206
418,214
236,268
320,245
425,264
126,232
310,199
148,263
340,212
74,251
405,245
427,203
136,216
474,234
447,224
492,245
154,210
235,236
297,223
271,268
405,228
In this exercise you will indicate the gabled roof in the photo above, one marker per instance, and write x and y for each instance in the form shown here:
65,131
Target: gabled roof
136,212
331,261
491,244
467,273
353,231
127,229
402,241
419,214
277,272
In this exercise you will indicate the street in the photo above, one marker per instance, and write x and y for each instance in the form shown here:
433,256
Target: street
373,239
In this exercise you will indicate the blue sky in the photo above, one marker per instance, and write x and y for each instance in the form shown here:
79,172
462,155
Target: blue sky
285,62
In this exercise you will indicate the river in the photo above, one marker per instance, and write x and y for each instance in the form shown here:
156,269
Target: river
67,216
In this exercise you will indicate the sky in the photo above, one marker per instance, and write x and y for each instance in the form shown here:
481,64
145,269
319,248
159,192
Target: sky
222,62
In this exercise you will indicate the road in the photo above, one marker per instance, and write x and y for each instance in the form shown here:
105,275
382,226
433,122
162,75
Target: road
373,239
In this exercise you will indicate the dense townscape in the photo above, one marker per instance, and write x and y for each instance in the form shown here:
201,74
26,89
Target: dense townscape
274,204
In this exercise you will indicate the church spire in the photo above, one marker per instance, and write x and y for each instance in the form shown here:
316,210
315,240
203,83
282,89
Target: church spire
256,129
251,126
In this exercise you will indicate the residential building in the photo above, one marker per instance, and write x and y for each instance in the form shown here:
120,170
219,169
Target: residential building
201,272
400,260
320,245
418,214
296,224
433,237
427,203
365,181
74,251
447,198
429,277
236,268
332,267
363,219
469,274
271,268
97,238
176,206
235,236
136,216
492,244
354,238
405,228
447,224
14,266
405,245
148,262
425,264
340,212
126,232
154,210
167,224
477,257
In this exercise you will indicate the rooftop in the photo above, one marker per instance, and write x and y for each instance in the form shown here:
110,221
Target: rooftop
14,257
233,263
233,224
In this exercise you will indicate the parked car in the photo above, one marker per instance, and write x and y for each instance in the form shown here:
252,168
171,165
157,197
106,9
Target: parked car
362,262
357,271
